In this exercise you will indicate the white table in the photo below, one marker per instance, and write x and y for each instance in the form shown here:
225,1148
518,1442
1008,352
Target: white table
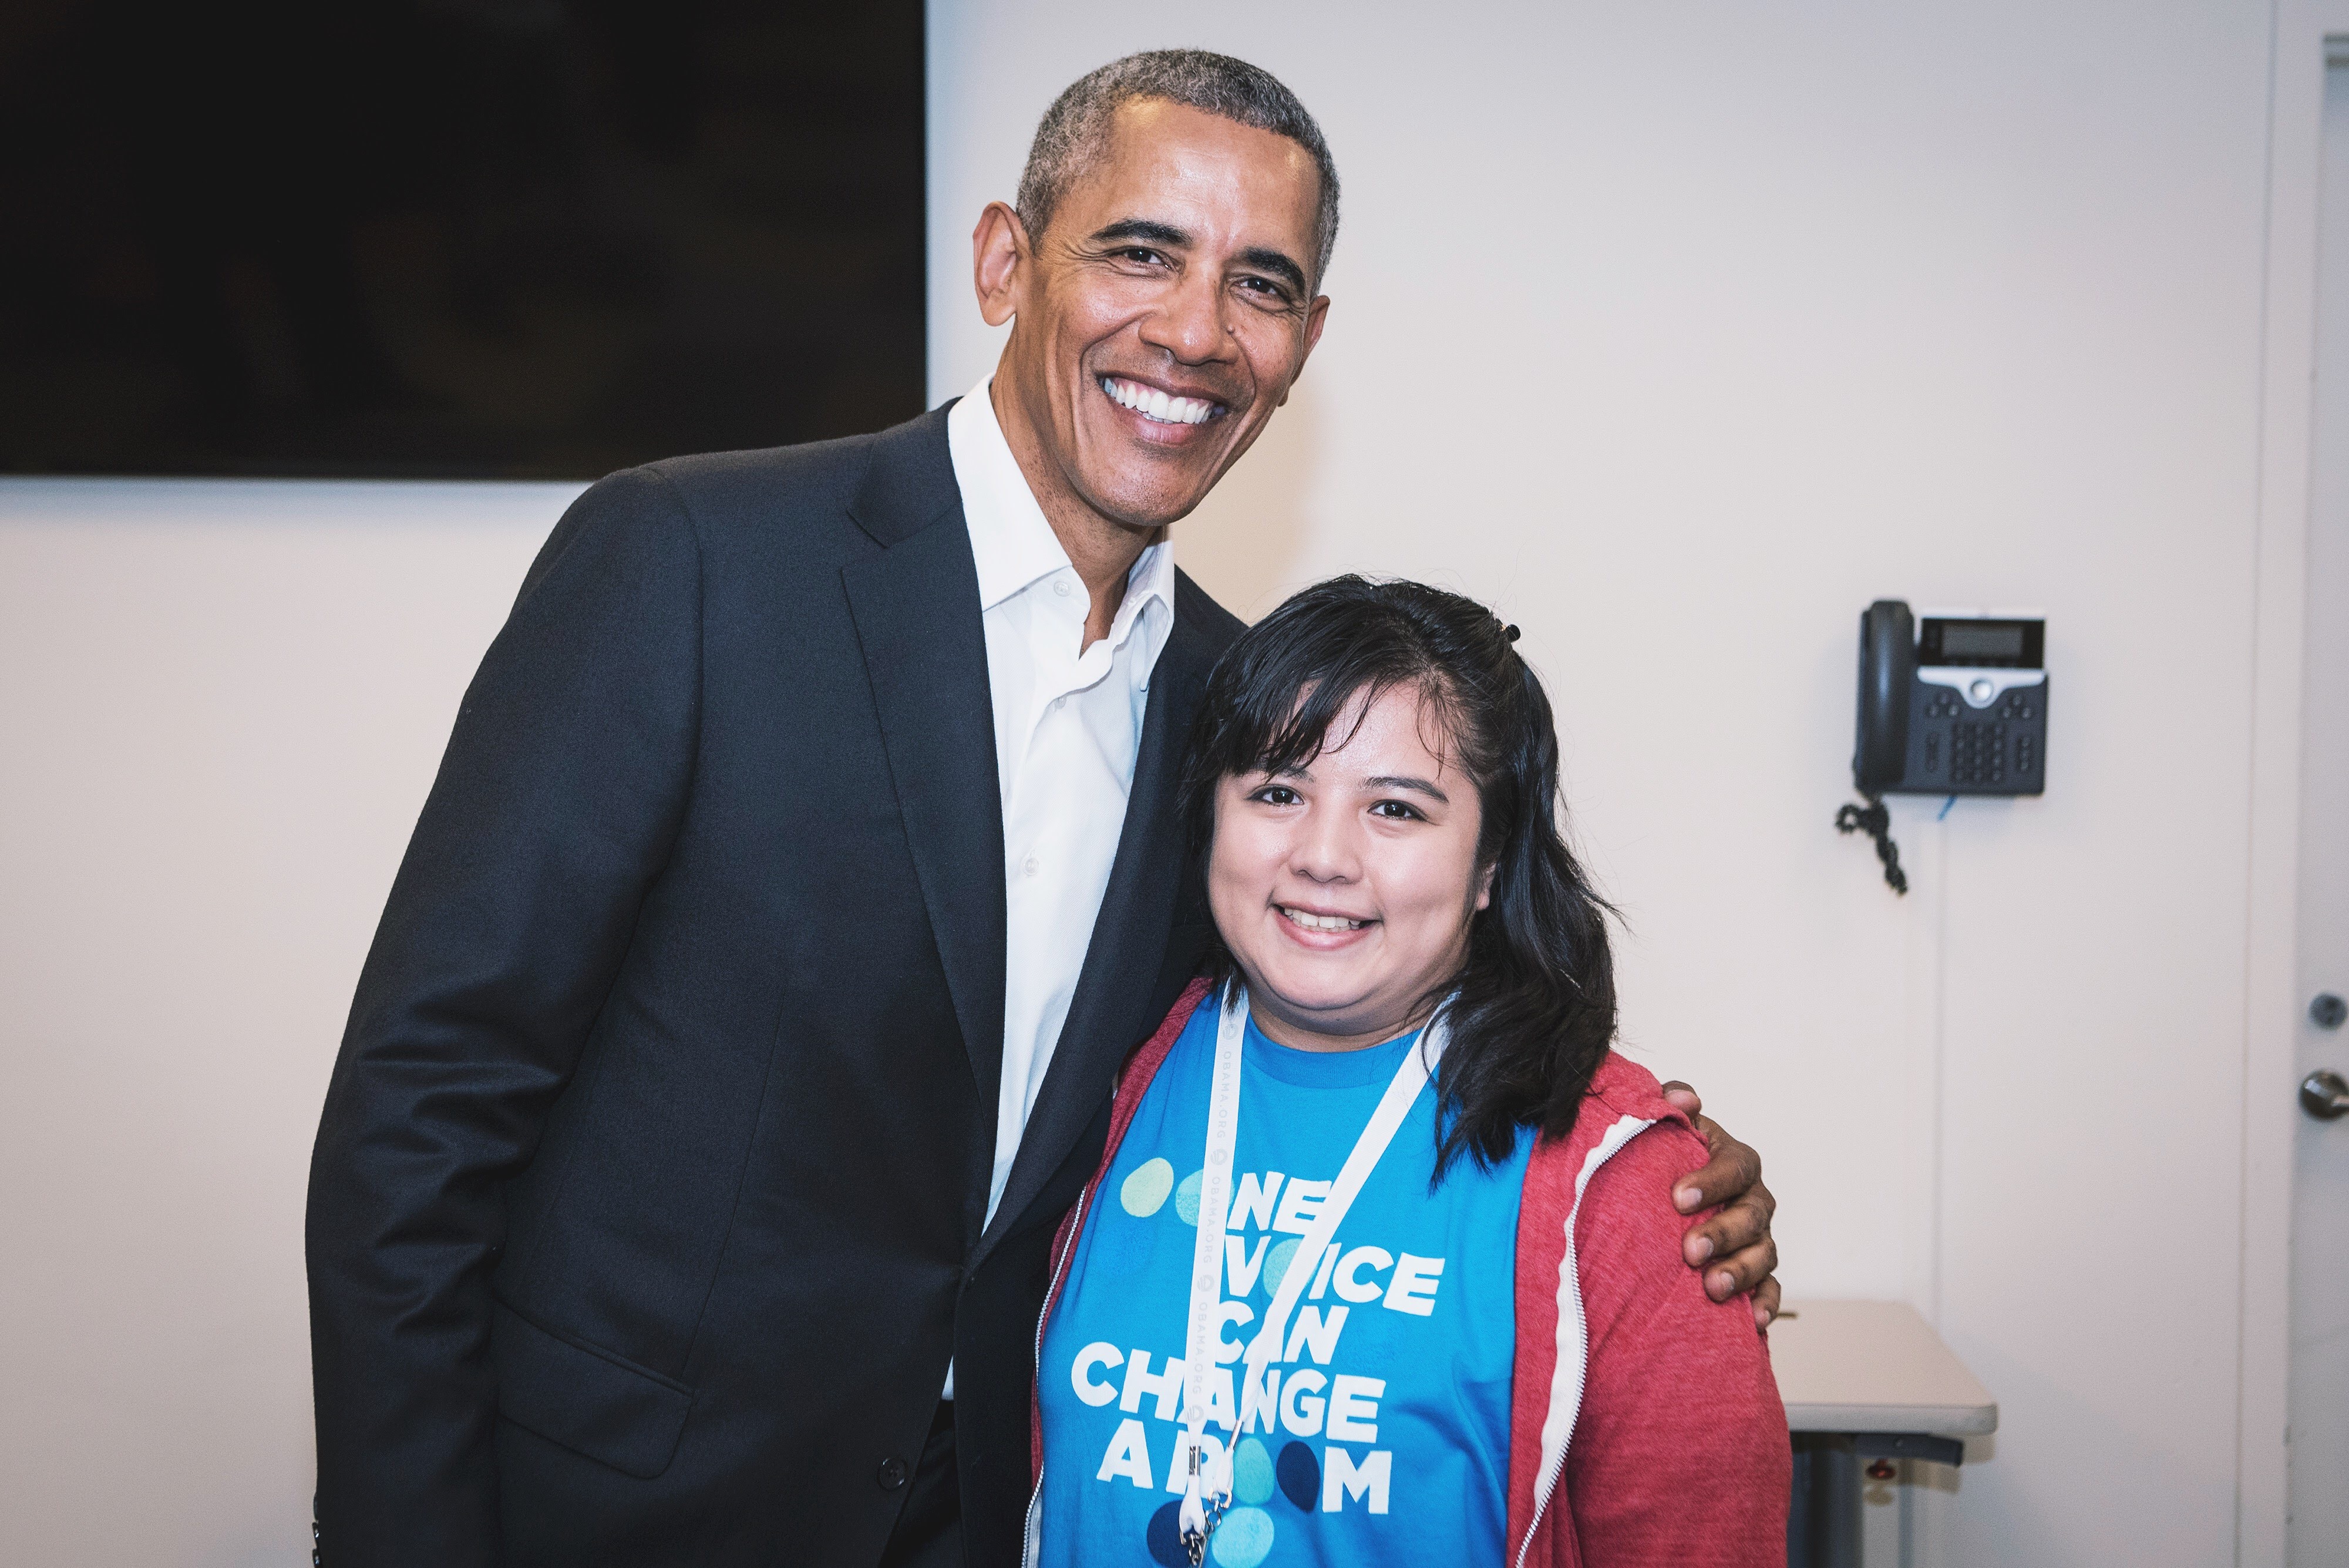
1869,1388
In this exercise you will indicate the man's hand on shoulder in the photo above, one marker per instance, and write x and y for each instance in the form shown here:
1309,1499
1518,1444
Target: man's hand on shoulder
1733,1247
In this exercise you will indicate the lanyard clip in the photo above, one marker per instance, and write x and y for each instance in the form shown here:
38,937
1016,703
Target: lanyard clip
1203,1508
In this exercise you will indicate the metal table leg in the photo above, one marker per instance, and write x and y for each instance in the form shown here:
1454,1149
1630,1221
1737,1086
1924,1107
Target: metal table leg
1824,1528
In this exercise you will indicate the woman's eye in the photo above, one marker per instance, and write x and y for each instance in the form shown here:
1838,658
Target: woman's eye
1277,794
1395,810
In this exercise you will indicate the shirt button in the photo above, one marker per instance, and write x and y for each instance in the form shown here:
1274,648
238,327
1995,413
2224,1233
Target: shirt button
1060,586
1031,866
892,1474
1059,703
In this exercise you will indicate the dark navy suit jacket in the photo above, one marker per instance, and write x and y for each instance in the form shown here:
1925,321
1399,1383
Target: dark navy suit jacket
647,1205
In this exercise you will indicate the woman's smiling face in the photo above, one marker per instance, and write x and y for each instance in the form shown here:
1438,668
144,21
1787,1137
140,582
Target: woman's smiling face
1345,887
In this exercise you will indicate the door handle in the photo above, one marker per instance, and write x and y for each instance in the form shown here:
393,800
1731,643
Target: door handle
2324,1095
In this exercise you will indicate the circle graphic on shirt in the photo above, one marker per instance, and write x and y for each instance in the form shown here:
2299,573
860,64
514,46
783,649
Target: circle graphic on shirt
1251,1472
1276,1264
1300,1476
1164,1537
1243,1537
1186,1197
1146,1189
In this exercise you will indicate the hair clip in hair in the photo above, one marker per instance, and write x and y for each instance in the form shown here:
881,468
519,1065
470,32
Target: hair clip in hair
1510,632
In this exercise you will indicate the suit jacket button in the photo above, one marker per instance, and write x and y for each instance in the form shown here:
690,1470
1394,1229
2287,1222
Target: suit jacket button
892,1473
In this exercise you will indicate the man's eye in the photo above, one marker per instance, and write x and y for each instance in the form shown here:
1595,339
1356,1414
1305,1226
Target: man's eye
1136,254
1277,794
1272,292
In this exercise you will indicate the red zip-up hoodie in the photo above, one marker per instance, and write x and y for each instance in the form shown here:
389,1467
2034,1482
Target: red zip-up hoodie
1644,1425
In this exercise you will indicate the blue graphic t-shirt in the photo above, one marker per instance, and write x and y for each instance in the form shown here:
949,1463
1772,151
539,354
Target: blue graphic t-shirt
1389,1439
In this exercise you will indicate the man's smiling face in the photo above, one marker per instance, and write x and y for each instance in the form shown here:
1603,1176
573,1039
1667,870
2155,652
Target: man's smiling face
1163,314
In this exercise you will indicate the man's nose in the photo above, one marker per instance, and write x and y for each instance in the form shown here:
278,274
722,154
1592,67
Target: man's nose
1189,322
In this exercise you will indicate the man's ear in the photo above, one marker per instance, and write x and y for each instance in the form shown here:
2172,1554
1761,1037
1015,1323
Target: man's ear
1316,315
998,257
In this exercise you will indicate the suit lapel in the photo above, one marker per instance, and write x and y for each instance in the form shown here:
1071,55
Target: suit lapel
1110,1010
915,605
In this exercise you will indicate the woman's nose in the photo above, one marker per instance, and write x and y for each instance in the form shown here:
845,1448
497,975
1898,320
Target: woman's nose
1323,851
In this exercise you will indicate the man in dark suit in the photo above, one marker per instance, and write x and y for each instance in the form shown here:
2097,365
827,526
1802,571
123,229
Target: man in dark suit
802,868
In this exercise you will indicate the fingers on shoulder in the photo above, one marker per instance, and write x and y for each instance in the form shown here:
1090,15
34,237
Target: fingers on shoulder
1627,1215
1644,1305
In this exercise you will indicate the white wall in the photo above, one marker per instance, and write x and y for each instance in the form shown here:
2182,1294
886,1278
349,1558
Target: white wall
1680,332
221,706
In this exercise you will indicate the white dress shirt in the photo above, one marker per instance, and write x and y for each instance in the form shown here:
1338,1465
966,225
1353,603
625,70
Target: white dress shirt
1068,726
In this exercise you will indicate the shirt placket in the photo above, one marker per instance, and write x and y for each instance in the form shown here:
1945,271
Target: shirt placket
1056,621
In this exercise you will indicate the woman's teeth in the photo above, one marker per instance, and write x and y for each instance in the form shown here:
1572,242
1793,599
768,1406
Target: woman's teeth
1155,405
1320,922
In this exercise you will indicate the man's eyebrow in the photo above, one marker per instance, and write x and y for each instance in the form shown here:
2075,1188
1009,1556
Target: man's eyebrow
1277,263
1422,786
1147,230
1151,231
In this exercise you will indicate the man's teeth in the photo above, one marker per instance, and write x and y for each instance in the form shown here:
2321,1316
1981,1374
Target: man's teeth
1153,404
1320,922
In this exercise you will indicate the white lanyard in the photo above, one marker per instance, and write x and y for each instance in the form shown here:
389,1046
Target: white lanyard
1206,1318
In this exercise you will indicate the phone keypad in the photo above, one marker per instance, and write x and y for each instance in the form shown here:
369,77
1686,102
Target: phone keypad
1978,752
1958,748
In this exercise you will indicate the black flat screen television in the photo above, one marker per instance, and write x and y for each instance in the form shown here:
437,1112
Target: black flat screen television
453,238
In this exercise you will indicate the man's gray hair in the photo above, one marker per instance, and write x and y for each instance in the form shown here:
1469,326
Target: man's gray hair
1075,129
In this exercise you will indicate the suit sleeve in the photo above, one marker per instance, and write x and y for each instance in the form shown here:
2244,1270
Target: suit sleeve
1679,1454
553,811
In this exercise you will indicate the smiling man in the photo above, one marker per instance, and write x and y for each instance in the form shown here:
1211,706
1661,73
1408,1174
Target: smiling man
802,868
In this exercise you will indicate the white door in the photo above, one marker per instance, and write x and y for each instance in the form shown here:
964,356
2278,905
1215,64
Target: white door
2320,1243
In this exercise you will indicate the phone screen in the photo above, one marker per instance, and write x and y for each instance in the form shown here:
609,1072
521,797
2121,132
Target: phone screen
2007,644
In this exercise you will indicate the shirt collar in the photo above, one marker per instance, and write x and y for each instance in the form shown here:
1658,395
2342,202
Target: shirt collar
1151,579
1011,543
1009,539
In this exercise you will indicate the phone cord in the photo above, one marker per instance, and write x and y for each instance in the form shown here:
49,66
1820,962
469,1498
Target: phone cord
1876,821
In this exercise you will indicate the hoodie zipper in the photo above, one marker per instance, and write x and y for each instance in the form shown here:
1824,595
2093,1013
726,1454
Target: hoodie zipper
1608,1146
1030,1545
1546,1486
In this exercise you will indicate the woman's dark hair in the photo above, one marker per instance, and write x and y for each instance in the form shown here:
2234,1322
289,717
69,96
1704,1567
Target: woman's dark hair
1536,1004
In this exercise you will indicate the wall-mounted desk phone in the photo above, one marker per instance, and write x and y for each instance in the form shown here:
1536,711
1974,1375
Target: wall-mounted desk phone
1951,703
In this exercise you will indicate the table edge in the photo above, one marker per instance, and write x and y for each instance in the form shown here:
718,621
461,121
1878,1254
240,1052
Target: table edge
1939,1420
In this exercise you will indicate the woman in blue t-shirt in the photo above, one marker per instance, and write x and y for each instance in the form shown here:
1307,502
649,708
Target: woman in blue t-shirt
1379,1266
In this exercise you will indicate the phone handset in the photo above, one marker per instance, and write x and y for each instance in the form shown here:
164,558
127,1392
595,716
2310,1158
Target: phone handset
1879,756
1887,670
